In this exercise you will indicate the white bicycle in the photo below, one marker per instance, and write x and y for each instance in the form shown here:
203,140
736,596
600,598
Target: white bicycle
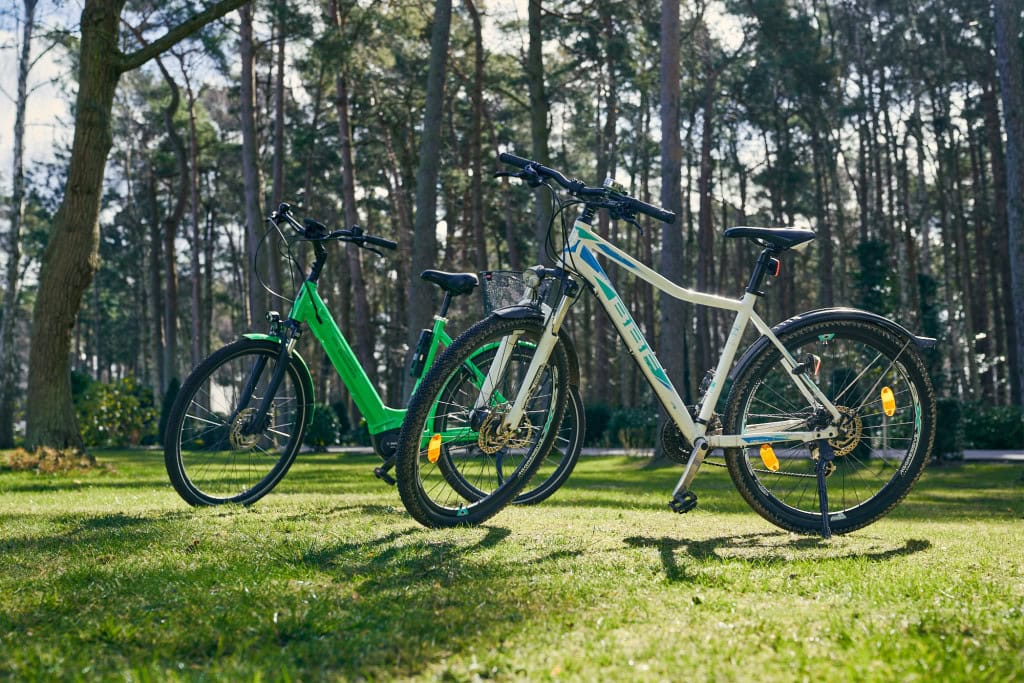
828,420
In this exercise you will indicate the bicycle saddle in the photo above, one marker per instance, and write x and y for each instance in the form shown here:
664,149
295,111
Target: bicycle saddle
780,238
455,284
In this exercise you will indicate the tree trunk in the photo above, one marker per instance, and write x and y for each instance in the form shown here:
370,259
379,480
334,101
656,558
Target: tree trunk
170,233
8,356
705,219
251,175
1011,81
363,328
198,331
601,381
424,248
674,313
476,193
539,130
155,293
994,141
70,259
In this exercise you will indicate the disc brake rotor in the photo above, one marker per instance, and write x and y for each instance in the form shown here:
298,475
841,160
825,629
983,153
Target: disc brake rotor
491,440
240,440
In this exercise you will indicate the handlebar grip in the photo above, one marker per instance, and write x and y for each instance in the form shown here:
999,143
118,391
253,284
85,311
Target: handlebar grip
655,212
380,242
513,160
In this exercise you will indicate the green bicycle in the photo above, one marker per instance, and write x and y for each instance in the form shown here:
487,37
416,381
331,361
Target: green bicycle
238,421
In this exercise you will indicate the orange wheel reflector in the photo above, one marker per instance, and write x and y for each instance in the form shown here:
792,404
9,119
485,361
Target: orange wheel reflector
888,401
434,448
769,458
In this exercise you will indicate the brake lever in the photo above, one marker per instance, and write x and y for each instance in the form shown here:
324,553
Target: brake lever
531,178
633,221
616,213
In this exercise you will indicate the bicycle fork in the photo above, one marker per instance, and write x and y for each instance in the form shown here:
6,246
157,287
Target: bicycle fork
288,331
549,338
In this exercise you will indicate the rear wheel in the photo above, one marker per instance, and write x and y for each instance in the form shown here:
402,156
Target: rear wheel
878,382
455,466
212,453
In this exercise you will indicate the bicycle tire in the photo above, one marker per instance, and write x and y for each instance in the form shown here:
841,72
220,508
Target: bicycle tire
209,460
866,483
433,490
555,468
562,458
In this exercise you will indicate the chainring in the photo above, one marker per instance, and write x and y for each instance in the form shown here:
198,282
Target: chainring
674,445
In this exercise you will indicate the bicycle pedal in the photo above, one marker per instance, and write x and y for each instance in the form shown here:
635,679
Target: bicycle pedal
683,502
383,476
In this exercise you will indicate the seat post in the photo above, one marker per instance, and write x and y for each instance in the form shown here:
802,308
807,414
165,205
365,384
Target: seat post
764,261
445,304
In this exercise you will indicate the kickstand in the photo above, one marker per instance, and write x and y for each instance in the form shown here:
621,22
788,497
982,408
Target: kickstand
823,468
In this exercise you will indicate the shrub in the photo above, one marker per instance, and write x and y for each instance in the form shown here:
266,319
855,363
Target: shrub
991,427
597,415
949,435
633,427
165,407
323,430
116,414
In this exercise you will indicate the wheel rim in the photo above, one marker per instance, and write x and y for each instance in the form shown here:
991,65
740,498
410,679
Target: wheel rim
219,460
557,457
873,448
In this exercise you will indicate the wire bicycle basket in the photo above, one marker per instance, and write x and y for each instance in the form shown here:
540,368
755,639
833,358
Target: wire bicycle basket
505,288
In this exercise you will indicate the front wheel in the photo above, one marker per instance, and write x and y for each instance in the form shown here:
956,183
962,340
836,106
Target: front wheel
879,383
212,451
564,455
455,465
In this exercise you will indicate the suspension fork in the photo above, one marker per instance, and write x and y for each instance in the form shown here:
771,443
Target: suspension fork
546,344
289,332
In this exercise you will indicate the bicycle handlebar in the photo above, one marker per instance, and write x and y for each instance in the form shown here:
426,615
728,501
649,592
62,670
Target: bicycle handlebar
318,231
578,188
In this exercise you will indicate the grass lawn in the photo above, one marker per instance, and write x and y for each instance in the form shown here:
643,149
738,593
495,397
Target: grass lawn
108,574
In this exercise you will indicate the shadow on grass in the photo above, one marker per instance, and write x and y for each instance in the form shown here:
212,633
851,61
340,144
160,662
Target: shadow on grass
756,549
371,607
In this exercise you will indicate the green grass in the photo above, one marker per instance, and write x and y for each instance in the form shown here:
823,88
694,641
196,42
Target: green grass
109,575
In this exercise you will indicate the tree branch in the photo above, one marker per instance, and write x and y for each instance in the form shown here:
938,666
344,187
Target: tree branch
175,35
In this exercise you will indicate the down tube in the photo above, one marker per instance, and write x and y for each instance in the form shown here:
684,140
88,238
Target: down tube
309,308
637,344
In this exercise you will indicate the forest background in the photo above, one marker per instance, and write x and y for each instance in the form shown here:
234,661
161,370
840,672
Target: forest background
891,128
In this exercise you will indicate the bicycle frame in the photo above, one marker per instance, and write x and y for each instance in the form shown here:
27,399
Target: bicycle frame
581,250
309,308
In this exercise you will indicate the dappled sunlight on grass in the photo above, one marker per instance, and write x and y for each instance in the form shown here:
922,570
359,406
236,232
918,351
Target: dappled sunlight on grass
328,577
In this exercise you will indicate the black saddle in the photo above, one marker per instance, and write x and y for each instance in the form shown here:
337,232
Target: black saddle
779,238
455,284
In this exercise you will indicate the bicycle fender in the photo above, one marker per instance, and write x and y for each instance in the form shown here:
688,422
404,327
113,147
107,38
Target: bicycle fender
521,312
817,316
307,376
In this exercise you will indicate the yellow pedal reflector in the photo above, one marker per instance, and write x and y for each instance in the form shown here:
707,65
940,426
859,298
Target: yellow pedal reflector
769,458
434,448
888,401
